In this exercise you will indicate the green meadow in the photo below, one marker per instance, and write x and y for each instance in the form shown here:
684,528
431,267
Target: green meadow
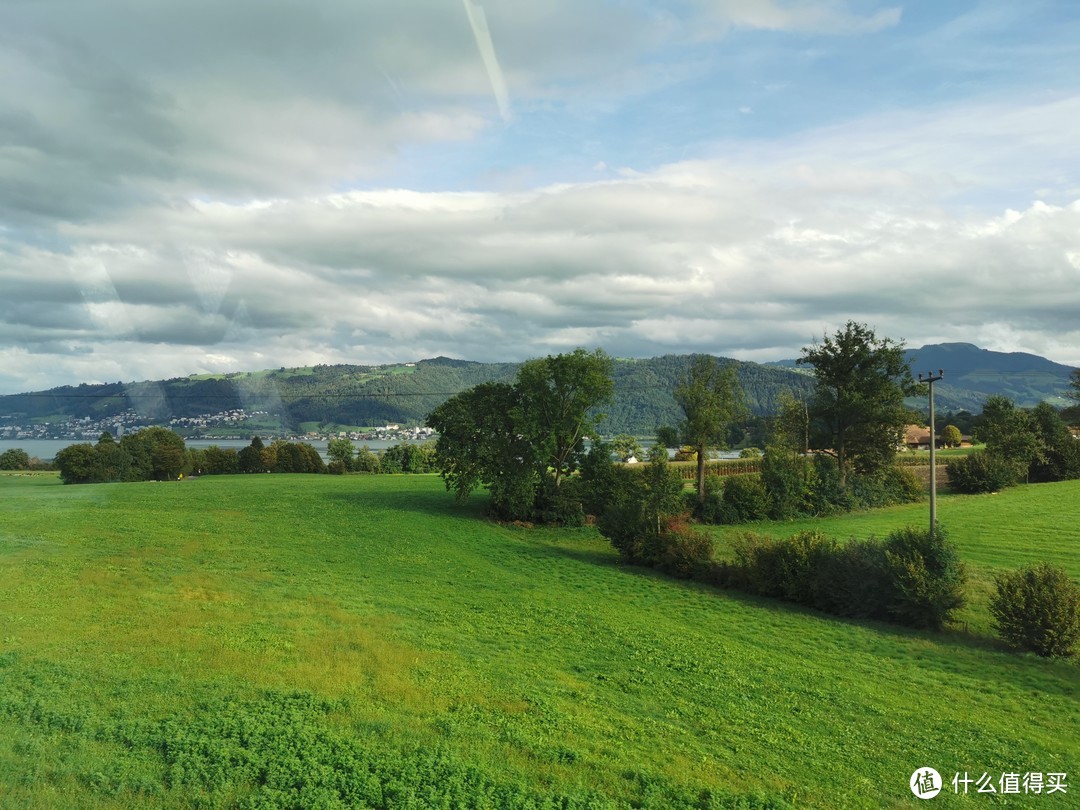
352,641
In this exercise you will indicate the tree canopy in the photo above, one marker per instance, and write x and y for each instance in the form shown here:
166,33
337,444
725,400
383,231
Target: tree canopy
710,399
857,411
518,439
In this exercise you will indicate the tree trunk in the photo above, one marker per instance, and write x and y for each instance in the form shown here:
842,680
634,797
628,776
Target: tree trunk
701,473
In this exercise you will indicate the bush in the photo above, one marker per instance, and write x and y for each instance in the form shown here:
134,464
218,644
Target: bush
712,510
900,485
337,467
560,506
981,472
857,583
803,562
911,578
684,553
745,499
796,569
825,496
926,577
758,567
787,479
1038,609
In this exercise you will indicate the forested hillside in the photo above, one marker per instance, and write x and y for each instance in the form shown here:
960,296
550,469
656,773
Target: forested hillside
407,393
973,374
376,395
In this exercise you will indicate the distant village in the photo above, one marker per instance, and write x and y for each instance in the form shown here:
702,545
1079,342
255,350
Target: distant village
235,424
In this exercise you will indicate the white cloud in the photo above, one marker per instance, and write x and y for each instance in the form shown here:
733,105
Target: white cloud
816,16
210,184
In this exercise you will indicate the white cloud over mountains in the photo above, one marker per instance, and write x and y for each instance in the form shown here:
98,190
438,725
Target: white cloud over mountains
189,187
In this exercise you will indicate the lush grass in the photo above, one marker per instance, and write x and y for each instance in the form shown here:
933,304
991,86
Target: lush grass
995,532
335,641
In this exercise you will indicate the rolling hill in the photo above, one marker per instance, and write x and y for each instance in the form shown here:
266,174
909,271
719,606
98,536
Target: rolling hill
973,374
406,393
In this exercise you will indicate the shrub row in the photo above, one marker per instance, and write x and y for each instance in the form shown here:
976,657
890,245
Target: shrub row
791,486
913,577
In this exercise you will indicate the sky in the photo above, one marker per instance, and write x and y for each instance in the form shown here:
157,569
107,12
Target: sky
197,186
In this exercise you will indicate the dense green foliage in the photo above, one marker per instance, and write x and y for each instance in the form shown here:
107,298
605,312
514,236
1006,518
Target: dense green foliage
710,401
480,443
558,397
639,510
151,454
15,459
1037,608
914,577
626,447
951,436
857,411
980,472
1021,445
304,641
521,441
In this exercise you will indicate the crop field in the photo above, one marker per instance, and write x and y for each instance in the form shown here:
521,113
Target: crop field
353,641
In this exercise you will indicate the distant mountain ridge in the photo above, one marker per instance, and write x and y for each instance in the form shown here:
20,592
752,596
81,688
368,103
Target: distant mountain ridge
972,374
407,392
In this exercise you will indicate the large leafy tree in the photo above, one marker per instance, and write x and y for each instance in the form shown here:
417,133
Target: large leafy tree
857,409
1010,434
558,396
518,439
14,459
710,399
159,451
342,450
480,444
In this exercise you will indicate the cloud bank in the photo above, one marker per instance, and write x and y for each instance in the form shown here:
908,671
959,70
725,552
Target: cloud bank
208,187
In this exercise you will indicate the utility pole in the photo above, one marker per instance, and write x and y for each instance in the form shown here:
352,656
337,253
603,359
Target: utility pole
930,379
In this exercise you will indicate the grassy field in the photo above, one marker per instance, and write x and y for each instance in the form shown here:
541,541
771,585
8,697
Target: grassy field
323,641
995,532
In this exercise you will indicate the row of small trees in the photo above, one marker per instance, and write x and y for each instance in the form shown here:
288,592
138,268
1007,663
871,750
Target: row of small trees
16,458
1021,446
399,458
522,440
151,454
157,453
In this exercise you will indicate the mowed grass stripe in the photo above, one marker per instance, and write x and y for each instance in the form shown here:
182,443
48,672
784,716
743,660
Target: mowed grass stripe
531,655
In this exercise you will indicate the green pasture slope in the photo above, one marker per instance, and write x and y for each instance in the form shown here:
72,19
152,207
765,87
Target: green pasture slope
348,641
994,533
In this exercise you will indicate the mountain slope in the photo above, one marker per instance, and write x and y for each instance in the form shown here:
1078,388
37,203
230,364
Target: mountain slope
377,395
406,393
973,374
1026,379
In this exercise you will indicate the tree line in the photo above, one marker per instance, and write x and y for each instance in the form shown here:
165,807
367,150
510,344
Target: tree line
833,450
159,454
